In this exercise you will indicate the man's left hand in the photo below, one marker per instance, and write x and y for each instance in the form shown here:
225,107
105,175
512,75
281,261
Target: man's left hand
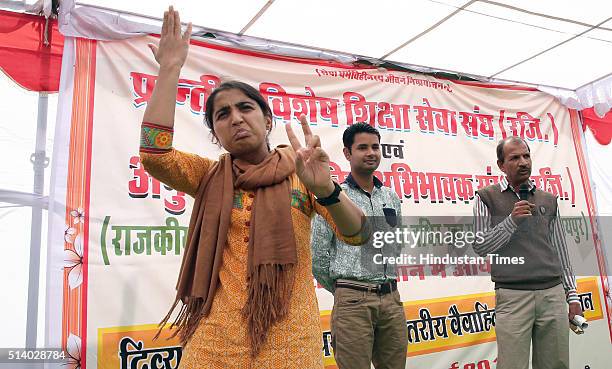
574,309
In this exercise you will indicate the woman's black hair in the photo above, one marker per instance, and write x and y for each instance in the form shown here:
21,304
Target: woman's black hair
246,89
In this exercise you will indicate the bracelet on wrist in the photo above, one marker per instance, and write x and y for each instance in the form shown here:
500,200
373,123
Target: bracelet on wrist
332,198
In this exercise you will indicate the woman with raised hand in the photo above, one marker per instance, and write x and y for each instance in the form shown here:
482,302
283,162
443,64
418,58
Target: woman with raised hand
245,285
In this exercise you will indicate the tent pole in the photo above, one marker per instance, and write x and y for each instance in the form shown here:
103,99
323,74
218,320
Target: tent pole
40,162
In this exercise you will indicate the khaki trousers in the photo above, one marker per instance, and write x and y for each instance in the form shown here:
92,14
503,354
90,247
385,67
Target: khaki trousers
368,328
535,317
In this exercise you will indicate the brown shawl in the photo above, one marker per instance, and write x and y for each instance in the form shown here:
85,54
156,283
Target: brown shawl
271,254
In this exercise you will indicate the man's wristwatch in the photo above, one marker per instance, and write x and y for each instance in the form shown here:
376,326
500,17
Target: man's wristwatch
331,199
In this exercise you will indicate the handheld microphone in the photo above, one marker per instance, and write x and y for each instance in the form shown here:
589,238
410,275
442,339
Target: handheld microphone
523,191
579,324
580,321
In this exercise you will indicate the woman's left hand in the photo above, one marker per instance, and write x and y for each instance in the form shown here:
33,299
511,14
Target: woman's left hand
311,162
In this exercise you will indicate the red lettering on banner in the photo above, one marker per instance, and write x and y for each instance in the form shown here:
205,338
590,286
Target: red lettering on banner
393,116
435,119
383,115
448,187
464,186
337,173
554,128
485,268
457,187
430,186
525,126
406,271
395,79
573,190
386,77
403,181
465,269
402,272
358,110
500,123
176,204
360,75
379,114
142,185
285,105
417,270
549,182
438,269
486,180
278,100
454,187
439,187
482,364
542,181
138,187
142,86
196,92
472,269
476,124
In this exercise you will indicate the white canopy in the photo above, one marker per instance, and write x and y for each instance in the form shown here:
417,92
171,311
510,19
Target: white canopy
559,46
558,43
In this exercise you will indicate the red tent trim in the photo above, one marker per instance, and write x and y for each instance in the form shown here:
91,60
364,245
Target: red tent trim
600,127
24,57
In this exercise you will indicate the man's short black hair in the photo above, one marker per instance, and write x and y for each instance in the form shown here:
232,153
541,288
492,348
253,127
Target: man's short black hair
348,137
502,143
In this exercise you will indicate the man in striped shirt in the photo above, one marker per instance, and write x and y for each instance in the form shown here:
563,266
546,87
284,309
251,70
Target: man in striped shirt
531,293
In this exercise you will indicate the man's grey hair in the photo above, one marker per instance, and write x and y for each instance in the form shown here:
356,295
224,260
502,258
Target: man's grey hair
502,143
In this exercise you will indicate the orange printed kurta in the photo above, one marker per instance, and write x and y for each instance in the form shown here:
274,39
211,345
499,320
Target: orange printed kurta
221,340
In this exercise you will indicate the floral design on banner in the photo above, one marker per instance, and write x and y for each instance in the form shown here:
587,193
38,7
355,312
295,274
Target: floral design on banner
74,263
78,215
70,234
73,256
74,352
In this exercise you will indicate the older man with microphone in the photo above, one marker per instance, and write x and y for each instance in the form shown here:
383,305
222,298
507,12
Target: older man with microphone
521,223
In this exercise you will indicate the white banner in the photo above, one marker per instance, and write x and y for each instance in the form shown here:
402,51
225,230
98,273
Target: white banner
125,231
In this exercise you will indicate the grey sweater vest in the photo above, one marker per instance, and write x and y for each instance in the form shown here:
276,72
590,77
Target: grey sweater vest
531,240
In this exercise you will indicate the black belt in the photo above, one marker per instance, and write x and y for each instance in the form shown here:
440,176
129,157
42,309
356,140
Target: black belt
380,289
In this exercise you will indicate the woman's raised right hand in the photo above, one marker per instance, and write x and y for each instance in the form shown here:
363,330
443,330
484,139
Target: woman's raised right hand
173,46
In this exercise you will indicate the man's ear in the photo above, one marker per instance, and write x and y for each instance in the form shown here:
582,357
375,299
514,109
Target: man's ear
500,165
347,153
